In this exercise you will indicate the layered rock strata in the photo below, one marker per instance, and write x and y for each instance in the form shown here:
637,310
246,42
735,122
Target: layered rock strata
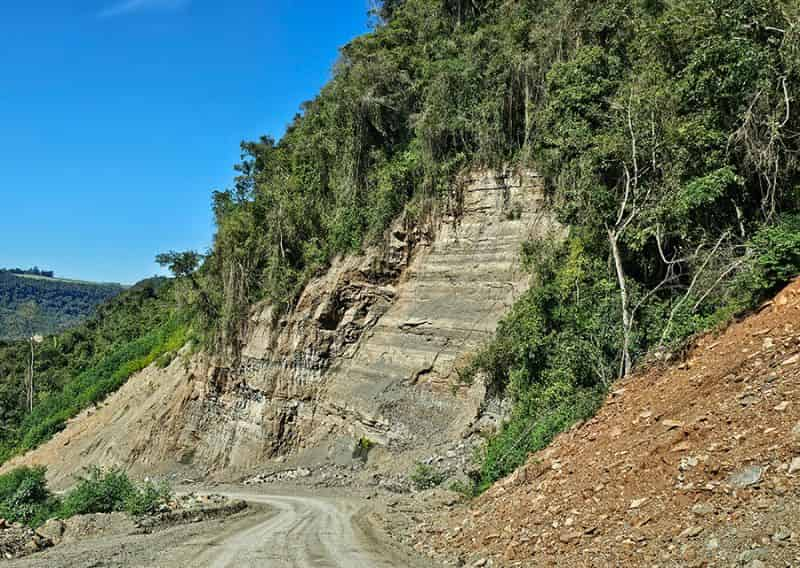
370,351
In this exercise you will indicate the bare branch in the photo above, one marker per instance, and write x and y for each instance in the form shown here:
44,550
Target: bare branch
633,143
624,203
722,276
664,258
786,100
697,275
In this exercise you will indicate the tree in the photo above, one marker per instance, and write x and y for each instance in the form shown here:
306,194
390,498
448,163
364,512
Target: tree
181,264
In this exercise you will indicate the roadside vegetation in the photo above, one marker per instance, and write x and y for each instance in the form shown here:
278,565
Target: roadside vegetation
25,497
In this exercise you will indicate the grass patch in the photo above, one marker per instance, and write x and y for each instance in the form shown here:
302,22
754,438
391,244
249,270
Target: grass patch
426,476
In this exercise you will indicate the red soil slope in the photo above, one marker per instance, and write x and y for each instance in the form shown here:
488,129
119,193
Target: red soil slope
697,465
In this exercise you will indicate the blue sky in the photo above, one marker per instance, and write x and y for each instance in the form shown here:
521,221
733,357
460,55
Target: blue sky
118,118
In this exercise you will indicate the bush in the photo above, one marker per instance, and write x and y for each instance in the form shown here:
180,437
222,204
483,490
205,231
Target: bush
533,425
553,354
99,492
111,490
426,476
777,255
467,489
147,498
25,498
363,446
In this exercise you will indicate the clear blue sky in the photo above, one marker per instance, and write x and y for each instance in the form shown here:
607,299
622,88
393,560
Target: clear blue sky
118,118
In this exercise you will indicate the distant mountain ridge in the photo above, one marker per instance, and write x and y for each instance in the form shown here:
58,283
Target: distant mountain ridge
34,301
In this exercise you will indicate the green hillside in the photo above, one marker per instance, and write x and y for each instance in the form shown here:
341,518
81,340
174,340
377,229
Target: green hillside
83,364
38,304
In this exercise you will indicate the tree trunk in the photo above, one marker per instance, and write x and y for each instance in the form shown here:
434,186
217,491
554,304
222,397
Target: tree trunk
625,365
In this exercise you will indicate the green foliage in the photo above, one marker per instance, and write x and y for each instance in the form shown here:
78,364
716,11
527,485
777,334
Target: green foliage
554,353
365,443
180,263
33,303
410,104
537,418
111,490
363,447
776,255
147,498
682,103
25,498
98,491
82,366
467,489
91,387
426,476
666,133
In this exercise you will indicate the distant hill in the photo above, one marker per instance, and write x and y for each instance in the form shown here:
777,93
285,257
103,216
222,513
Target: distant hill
35,302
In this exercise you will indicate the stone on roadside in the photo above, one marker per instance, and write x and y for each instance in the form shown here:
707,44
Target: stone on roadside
782,534
52,529
753,555
792,360
636,503
691,532
702,509
570,536
746,477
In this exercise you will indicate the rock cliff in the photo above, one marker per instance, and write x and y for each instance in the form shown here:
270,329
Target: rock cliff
369,352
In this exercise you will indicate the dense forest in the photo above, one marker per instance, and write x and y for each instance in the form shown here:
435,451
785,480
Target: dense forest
667,132
34,302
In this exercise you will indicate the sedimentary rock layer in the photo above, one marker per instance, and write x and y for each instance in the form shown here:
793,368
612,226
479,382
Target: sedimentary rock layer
370,350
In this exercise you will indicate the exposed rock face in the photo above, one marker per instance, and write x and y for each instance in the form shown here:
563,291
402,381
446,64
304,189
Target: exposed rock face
369,350
398,387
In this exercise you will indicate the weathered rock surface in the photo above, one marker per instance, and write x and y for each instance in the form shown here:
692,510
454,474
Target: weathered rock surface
17,540
370,350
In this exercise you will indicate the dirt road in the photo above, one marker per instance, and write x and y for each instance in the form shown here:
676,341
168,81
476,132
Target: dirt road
301,532
279,531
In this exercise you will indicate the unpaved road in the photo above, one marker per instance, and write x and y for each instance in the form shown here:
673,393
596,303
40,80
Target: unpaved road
278,531
301,532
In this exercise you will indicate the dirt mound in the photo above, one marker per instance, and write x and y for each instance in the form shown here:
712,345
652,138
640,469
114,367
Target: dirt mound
697,465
